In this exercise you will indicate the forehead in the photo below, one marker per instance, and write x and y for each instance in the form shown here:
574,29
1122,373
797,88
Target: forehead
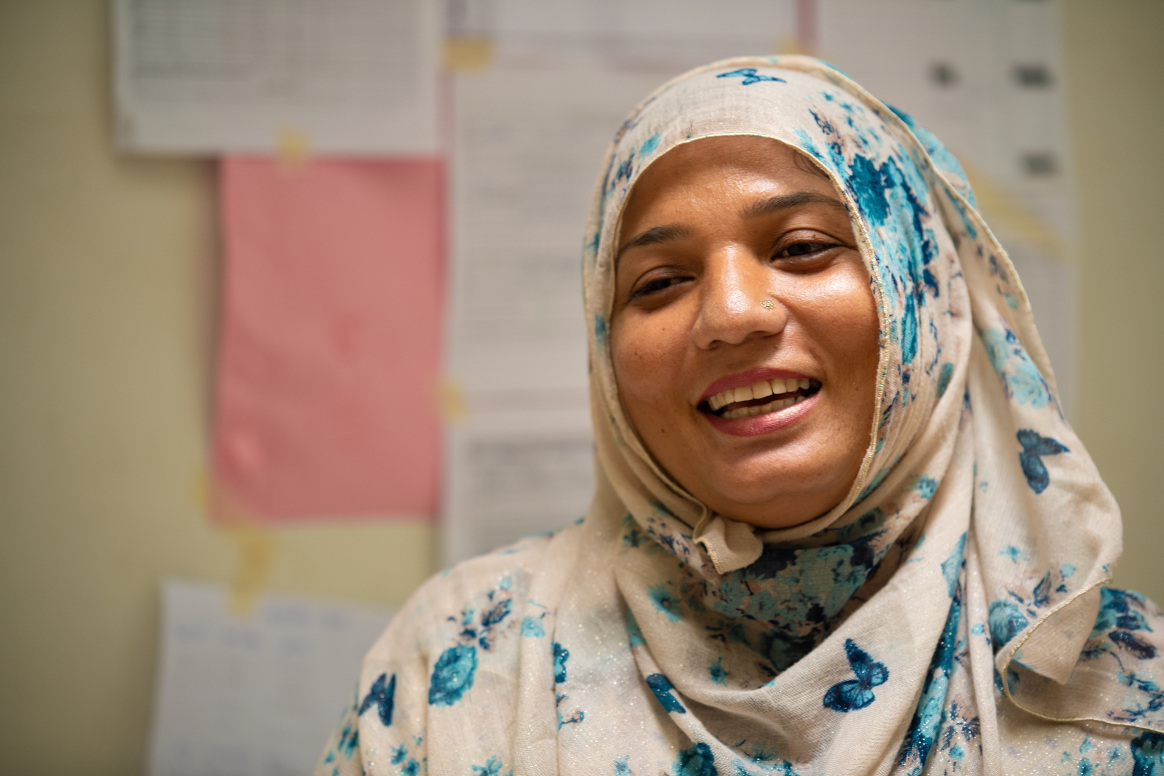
727,163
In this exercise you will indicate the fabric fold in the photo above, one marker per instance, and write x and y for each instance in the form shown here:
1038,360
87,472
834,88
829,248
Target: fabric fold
730,544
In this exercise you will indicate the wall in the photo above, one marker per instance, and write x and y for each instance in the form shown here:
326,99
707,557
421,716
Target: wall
1116,109
107,282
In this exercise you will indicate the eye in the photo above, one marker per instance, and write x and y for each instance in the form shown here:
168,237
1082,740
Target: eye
653,286
805,248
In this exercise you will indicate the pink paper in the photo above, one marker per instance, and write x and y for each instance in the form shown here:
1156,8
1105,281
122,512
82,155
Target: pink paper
330,337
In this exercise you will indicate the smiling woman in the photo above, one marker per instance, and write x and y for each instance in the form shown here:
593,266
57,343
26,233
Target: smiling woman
744,331
840,523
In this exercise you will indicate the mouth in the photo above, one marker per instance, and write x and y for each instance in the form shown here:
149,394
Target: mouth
759,398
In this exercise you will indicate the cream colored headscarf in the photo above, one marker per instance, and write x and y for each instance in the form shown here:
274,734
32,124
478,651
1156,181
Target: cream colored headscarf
947,616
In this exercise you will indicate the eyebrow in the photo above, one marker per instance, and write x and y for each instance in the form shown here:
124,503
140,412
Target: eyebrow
763,207
656,235
772,204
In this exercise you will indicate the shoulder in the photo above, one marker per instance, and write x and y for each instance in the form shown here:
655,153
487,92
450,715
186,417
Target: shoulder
453,650
473,603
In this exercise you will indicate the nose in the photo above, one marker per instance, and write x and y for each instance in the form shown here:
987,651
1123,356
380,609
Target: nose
737,302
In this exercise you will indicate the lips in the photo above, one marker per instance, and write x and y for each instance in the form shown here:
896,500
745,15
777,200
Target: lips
779,387
757,392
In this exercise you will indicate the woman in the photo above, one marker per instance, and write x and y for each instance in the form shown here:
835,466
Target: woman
840,526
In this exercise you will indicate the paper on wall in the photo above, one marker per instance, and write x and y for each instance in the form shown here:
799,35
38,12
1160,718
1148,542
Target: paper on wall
528,145
326,389
255,696
735,27
229,76
987,78
512,474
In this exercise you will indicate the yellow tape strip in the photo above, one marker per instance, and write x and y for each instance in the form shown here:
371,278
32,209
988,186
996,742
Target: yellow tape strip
451,402
254,543
996,203
293,147
469,53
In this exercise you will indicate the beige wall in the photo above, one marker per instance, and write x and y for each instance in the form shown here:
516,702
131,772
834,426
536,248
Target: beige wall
106,308
1116,109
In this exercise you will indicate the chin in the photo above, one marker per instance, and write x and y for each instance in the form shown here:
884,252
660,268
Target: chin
772,519
781,511
759,504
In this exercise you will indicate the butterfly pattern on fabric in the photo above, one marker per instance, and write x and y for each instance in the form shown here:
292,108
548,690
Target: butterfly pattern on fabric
561,673
1121,617
382,695
944,726
1022,603
1021,378
662,688
492,767
456,669
1035,446
855,694
1121,635
750,76
403,757
1148,754
931,715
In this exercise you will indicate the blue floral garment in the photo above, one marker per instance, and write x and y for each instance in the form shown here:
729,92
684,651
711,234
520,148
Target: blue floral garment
948,616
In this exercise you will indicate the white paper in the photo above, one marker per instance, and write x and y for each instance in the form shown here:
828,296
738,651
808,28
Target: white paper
987,78
252,76
254,696
528,147
729,27
515,474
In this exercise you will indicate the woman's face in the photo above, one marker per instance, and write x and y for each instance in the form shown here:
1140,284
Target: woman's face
744,331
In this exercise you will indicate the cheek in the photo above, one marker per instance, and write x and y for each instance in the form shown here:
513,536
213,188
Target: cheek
864,348
646,365
849,312
847,316
634,357
865,326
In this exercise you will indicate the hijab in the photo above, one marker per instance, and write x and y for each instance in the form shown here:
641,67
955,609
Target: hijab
948,615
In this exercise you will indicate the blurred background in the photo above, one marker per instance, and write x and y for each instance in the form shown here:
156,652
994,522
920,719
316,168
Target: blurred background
136,273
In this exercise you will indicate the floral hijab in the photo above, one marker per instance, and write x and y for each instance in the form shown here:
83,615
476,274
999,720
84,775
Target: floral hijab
948,615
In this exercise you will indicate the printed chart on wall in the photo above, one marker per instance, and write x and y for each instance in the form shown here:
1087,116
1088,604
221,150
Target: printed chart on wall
334,76
539,94
252,694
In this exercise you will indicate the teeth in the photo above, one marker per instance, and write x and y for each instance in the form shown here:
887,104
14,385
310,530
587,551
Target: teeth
772,406
758,390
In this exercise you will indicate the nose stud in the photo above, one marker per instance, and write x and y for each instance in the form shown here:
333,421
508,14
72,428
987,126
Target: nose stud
767,304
